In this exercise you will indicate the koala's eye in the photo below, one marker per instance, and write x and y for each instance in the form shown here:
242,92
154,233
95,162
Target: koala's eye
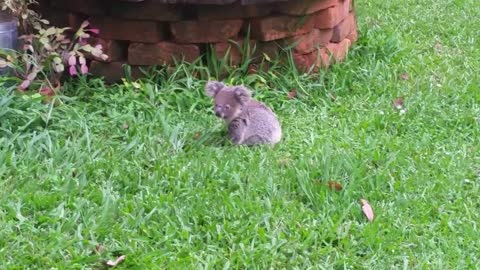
227,107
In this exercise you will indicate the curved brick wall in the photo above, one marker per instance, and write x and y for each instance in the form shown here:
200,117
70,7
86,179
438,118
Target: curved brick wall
154,33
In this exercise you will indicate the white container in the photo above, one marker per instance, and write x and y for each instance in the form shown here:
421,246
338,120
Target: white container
8,34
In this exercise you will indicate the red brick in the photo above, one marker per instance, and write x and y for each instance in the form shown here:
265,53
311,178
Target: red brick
277,27
339,50
330,17
309,42
269,49
233,11
345,27
162,53
113,72
312,61
87,7
235,50
205,31
118,29
302,7
147,10
322,57
116,50
353,35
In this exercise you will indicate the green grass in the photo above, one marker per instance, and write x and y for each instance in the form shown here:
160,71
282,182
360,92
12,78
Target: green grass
170,191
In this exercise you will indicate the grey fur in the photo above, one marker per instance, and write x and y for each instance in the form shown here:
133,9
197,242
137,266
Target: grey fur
249,121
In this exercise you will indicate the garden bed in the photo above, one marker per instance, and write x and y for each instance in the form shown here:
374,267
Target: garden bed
158,32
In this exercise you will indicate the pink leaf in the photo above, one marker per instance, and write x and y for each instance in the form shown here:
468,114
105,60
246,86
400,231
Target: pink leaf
94,30
72,60
84,24
81,60
83,69
98,46
367,209
72,70
104,57
25,84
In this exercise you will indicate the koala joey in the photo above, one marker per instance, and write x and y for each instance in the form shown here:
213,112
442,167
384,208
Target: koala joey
249,121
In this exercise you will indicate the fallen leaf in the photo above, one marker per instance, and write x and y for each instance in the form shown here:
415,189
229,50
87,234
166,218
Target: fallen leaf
332,97
335,185
99,248
292,94
404,76
197,135
125,126
116,261
437,47
398,103
367,209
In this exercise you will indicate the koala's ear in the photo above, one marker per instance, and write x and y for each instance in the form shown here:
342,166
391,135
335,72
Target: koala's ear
242,94
213,87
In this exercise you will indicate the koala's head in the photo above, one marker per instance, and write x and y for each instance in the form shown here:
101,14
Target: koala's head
229,100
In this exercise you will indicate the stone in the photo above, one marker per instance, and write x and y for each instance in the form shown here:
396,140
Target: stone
140,31
278,27
302,7
205,31
161,53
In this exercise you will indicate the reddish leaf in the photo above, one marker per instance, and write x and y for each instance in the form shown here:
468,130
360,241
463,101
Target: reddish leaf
72,60
367,209
46,91
398,103
335,185
292,94
83,69
24,85
72,70
115,262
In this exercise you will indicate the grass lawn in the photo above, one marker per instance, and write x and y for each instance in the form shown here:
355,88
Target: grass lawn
145,170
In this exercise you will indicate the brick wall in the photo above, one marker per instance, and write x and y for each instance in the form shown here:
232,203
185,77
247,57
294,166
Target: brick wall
153,33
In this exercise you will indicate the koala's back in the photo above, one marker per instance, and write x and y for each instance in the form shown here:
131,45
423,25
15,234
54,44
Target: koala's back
262,125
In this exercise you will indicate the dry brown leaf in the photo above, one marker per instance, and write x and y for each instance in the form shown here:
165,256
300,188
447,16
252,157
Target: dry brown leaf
197,135
332,97
367,209
125,126
398,103
335,185
404,76
292,94
116,261
437,47
99,248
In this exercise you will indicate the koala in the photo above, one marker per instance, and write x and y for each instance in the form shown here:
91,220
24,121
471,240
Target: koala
249,121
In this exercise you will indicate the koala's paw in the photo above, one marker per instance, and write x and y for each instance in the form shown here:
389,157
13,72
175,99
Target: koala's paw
236,129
